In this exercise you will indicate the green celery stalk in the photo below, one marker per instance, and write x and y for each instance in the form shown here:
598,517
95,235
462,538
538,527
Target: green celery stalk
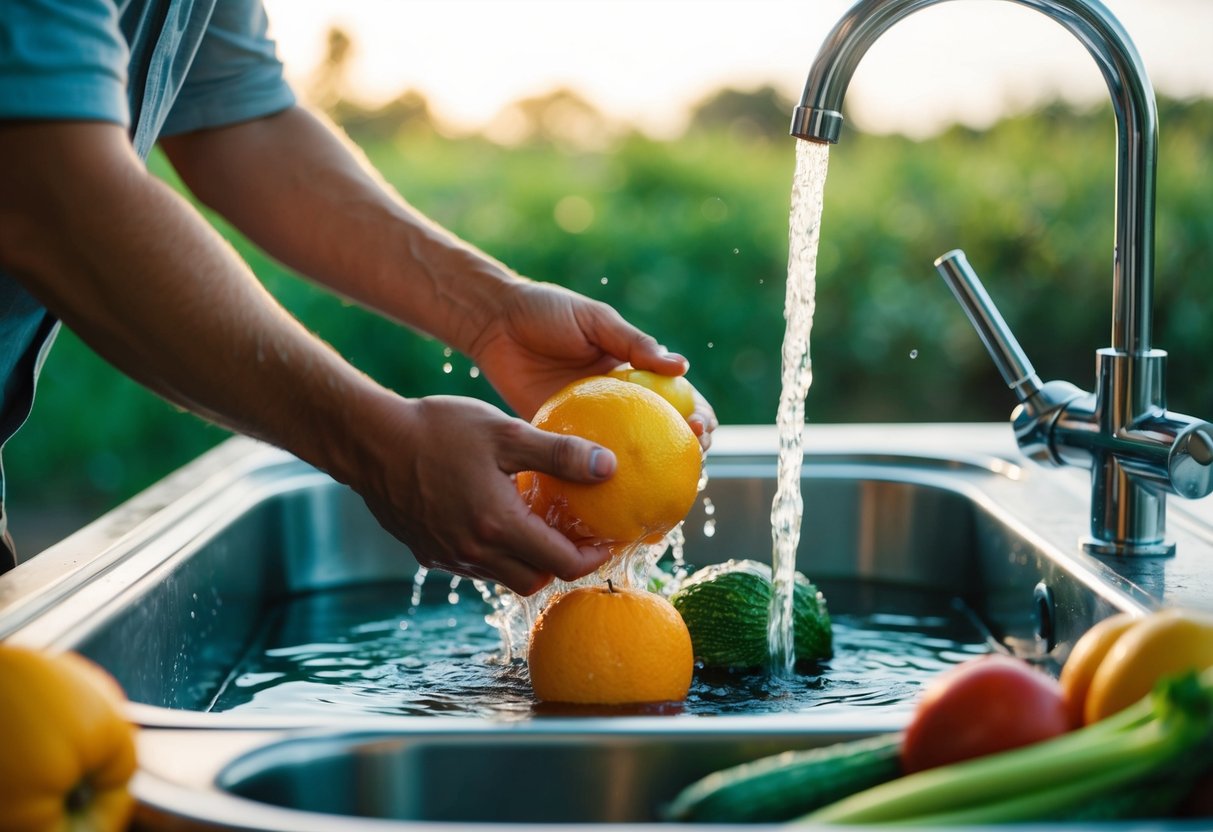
1041,780
1054,802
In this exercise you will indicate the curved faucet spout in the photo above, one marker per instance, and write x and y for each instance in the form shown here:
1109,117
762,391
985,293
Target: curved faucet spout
1137,451
819,118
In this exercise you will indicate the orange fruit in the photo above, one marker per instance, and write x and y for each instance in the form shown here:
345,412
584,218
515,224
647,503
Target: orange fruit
658,462
1088,653
674,389
604,645
1163,644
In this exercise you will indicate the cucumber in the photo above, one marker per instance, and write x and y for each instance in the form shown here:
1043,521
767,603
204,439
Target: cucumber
726,607
785,786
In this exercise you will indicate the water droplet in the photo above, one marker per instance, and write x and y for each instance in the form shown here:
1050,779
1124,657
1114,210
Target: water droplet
737,251
711,344
709,528
709,508
446,367
913,354
761,281
474,372
603,281
446,352
193,614
452,598
418,583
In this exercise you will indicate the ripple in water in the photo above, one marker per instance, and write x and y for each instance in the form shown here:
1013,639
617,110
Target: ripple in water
367,650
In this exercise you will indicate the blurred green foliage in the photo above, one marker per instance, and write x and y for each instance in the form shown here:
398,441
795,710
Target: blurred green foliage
688,239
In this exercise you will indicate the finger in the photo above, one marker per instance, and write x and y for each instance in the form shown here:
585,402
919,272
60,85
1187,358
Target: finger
704,411
565,457
592,558
514,574
612,333
545,549
703,420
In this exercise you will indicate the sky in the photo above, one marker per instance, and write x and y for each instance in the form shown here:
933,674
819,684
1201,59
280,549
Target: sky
648,61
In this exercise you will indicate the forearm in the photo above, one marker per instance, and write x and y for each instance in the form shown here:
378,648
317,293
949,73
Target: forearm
301,191
147,283
143,280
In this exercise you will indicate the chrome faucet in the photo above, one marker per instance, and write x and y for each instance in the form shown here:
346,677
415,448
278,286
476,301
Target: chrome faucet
1137,451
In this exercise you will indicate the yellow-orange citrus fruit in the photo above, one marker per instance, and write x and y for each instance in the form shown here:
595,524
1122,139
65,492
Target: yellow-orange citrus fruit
1163,644
68,751
601,645
1086,657
658,462
674,389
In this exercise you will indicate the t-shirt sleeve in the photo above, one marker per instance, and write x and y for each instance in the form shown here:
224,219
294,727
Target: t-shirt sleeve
236,75
62,59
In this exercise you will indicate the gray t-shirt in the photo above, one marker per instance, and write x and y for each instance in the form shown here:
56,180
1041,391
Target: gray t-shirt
156,67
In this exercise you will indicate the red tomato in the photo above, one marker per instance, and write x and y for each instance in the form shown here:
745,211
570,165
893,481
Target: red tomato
983,706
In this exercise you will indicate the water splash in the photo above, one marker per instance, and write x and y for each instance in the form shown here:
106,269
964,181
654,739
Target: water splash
354,651
632,566
513,615
804,232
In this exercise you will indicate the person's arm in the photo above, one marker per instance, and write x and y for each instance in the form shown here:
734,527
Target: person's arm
300,190
141,277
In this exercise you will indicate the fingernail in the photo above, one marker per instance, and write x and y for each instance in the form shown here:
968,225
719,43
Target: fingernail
602,463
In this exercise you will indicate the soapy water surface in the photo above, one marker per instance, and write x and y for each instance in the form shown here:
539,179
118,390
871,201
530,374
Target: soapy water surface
386,650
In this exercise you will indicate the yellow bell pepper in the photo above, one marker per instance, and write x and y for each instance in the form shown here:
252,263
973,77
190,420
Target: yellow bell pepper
67,752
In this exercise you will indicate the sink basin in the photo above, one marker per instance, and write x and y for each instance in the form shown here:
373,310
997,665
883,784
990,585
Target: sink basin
170,590
582,777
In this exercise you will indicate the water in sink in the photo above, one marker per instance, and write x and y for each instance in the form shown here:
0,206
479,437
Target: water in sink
371,650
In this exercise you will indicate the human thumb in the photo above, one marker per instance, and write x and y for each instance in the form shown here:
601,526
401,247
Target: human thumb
562,456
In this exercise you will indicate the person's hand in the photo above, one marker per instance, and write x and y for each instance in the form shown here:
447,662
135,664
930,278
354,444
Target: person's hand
545,336
439,478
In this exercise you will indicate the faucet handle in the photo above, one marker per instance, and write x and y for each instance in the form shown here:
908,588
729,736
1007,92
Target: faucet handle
1008,356
1040,404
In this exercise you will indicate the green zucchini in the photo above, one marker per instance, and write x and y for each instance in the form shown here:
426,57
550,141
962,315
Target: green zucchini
788,785
726,607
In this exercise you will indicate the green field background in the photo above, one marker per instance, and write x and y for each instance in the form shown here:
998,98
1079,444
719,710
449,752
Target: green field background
687,237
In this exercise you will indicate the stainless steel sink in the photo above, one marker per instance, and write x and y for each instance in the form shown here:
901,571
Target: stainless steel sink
168,590
588,776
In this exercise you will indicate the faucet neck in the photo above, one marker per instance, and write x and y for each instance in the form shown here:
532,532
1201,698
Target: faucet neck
819,118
